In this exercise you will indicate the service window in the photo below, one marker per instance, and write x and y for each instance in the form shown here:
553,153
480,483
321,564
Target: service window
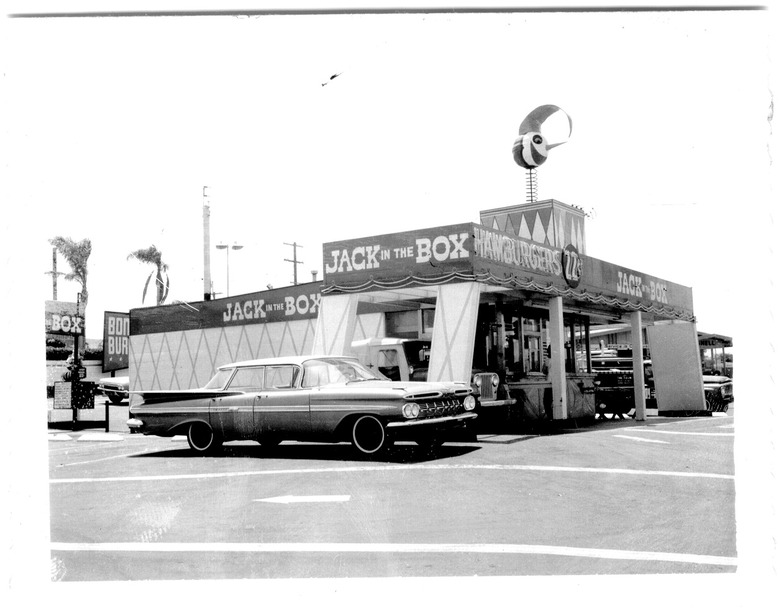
534,337
247,378
577,343
280,376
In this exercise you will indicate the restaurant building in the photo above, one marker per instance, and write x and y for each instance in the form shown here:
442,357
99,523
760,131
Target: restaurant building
515,293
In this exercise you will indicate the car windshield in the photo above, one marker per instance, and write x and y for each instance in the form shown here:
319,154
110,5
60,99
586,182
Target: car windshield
220,379
321,372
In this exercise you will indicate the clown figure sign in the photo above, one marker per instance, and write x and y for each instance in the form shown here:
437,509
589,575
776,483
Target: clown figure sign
531,146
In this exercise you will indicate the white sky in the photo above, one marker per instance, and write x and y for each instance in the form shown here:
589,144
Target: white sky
118,123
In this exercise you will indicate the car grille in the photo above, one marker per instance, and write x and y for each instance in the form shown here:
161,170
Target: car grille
437,408
487,391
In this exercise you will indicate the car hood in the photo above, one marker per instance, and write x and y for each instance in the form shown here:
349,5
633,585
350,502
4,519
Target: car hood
409,389
116,381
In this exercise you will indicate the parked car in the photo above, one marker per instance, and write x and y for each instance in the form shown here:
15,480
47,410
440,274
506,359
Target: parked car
116,389
718,392
315,398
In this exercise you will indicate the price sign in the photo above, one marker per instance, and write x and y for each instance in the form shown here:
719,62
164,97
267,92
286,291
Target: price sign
572,265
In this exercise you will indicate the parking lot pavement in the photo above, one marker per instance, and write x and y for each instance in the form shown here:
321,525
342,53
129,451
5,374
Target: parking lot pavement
590,501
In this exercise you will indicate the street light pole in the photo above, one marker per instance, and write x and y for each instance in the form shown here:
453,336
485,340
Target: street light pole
227,248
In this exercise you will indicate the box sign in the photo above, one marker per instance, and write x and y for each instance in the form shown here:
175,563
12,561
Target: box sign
63,318
292,303
421,252
472,252
116,341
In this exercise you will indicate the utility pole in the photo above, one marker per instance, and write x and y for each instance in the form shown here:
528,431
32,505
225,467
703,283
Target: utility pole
54,274
207,289
294,261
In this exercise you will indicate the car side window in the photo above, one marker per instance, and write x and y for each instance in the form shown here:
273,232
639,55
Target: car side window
248,378
315,374
280,376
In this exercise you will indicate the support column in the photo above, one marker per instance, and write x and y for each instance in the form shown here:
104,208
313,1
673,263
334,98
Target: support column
638,349
454,330
558,359
335,325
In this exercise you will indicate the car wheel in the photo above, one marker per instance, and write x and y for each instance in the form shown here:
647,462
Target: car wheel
202,438
369,435
114,398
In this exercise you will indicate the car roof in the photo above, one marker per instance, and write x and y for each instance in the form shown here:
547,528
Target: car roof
289,360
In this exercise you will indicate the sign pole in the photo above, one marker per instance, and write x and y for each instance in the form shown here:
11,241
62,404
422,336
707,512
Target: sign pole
74,376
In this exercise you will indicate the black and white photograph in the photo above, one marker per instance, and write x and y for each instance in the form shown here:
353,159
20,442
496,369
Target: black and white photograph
390,304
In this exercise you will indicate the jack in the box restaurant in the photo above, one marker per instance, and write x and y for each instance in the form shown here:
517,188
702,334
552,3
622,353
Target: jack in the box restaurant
514,296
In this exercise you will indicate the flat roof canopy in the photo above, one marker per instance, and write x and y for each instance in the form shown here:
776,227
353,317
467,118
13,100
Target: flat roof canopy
409,265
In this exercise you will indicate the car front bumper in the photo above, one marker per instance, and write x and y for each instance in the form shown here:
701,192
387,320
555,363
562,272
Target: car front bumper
444,421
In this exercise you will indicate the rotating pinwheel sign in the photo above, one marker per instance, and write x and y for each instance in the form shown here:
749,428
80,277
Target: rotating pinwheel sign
531,146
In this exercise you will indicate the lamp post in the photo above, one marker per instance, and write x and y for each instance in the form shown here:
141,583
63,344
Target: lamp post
227,248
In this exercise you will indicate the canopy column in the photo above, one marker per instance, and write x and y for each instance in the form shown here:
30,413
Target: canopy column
335,325
454,330
638,349
558,359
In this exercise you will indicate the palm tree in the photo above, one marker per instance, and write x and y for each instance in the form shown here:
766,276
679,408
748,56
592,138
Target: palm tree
77,255
152,255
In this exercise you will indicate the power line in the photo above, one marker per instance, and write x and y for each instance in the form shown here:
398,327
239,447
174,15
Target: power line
294,261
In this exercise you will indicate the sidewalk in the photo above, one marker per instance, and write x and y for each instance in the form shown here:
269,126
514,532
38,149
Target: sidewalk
94,418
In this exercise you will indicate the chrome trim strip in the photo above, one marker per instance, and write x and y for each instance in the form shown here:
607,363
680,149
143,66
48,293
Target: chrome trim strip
499,402
408,423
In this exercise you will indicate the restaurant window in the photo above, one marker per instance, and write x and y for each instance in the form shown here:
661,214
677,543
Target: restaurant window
576,342
403,324
532,330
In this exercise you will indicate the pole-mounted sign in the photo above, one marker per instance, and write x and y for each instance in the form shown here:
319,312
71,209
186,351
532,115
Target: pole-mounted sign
116,341
64,318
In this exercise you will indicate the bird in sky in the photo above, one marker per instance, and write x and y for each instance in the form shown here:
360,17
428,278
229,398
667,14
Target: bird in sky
331,78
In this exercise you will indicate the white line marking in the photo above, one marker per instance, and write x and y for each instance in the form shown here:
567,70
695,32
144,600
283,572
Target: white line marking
508,549
106,437
640,439
683,432
71,464
294,499
415,467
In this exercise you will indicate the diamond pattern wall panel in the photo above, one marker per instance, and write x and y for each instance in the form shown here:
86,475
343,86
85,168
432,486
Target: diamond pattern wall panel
188,359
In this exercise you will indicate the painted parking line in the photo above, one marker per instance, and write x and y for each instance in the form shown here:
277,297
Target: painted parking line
100,437
640,439
388,468
289,499
702,433
502,549
73,464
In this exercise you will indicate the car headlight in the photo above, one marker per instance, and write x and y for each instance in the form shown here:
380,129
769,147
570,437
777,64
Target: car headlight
411,410
478,380
495,380
469,403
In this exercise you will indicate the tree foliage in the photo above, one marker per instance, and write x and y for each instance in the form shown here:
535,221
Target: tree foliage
77,255
152,255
